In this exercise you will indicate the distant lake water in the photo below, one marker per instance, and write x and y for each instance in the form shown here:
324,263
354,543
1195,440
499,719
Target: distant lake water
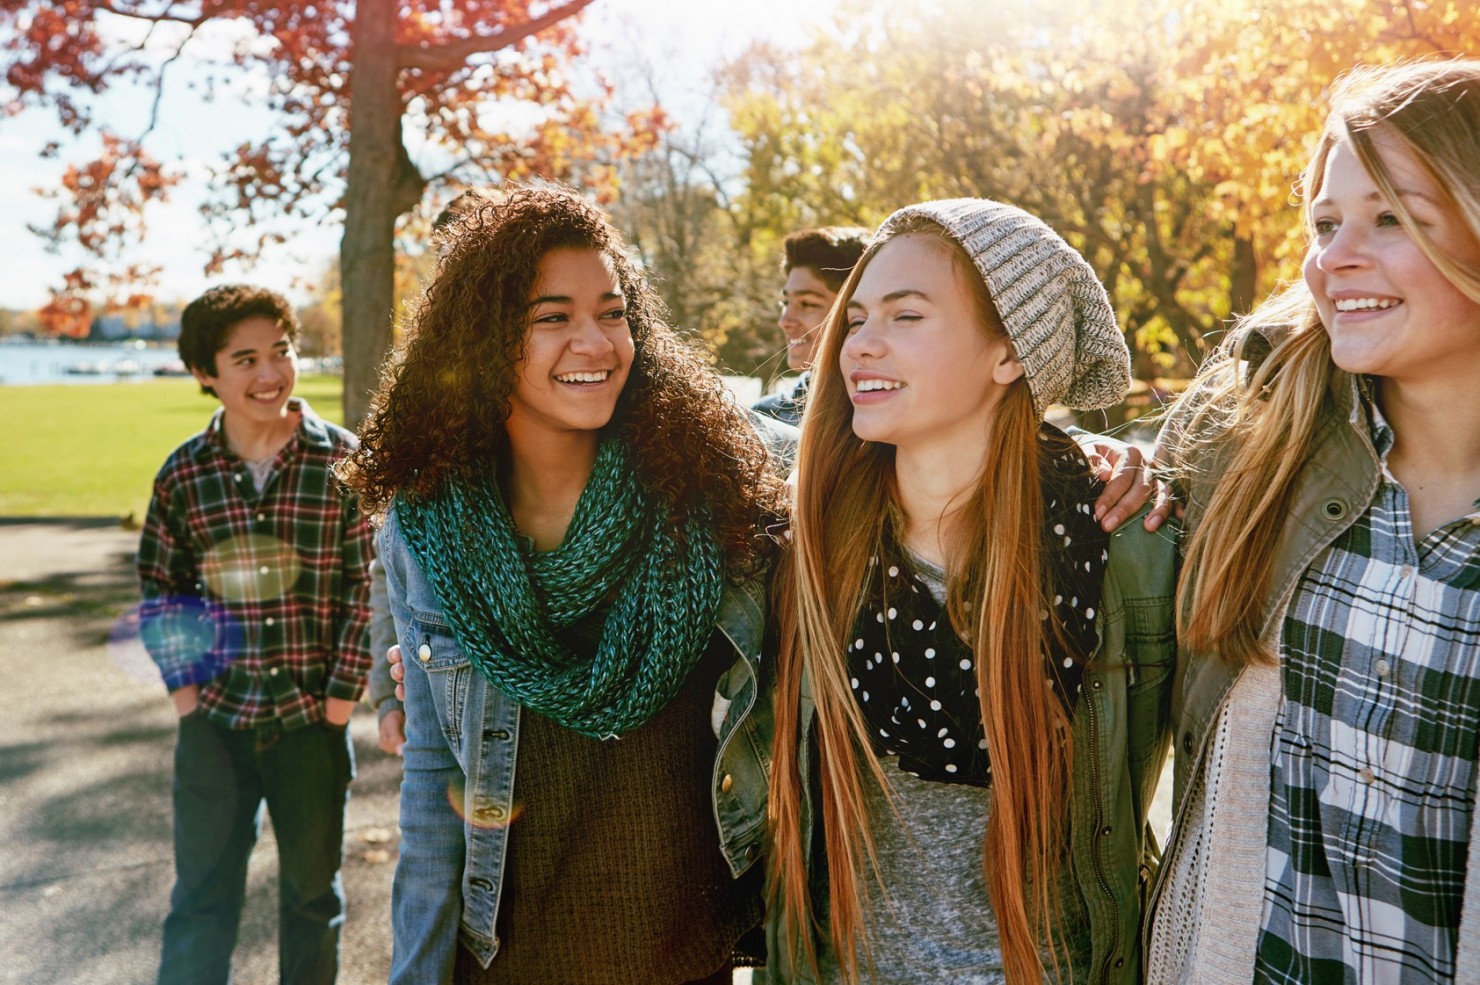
26,363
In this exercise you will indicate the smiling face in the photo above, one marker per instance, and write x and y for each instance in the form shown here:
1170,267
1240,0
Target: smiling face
256,370
805,301
1389,311
578,351
918,364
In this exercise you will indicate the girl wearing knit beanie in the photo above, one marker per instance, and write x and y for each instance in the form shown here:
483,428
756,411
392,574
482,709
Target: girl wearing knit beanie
572,509
1328,714
971,683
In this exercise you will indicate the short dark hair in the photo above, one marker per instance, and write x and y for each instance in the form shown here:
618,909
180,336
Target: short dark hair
208,320
466,200
830,252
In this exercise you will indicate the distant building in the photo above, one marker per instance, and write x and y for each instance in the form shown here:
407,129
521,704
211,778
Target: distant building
107,328
161,326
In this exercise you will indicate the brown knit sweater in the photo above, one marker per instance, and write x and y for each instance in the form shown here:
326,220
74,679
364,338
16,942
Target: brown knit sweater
614,872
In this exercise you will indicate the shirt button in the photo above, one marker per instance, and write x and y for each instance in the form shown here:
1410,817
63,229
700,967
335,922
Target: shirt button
265,570
269,620
727,783
1366,775
261,516
424,653
1406,571
273,672
1383,668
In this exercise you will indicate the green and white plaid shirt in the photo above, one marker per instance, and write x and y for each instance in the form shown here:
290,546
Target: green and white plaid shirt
1374,751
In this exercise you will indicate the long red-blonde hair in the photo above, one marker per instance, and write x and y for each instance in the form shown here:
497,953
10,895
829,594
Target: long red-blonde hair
845,496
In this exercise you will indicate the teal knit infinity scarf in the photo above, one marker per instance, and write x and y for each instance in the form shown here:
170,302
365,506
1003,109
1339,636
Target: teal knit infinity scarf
506,608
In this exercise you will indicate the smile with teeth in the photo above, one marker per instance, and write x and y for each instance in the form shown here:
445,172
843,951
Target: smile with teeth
1365,304
599,376
267,394
868,386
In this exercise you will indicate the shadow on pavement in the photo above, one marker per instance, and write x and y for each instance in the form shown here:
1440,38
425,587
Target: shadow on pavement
85,776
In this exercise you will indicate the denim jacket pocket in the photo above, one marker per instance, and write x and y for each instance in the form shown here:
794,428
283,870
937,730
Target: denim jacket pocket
430,645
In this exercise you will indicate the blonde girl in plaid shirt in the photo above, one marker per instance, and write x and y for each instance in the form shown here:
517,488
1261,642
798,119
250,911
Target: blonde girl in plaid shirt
1327,721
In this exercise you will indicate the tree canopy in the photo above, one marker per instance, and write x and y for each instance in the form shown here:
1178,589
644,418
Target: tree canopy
486,89
1161,137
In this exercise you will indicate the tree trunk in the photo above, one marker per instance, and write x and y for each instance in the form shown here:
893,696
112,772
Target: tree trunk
381,179
1243,279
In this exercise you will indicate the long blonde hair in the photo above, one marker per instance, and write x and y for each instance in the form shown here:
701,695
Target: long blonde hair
1273,412
845,496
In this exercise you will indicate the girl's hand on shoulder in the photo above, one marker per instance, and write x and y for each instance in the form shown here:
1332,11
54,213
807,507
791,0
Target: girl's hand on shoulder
1129,484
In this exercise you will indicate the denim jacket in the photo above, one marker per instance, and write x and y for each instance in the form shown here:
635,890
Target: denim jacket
1120,744
462,735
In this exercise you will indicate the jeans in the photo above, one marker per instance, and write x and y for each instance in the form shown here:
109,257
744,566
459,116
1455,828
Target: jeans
222,778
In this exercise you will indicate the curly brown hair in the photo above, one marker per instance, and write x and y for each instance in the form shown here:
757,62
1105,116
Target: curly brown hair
438,414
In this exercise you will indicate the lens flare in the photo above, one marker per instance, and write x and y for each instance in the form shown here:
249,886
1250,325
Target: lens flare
250,568
127,650
177,629
487,816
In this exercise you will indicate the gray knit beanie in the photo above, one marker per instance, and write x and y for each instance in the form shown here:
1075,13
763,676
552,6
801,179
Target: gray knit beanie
1052,304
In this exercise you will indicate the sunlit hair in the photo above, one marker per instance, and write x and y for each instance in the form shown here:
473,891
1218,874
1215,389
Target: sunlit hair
439,412
1273,412
845,495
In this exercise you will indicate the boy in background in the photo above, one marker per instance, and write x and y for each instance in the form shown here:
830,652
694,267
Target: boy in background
253,568
815,262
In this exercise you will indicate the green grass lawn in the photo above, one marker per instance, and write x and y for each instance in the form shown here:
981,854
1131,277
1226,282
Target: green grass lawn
93,450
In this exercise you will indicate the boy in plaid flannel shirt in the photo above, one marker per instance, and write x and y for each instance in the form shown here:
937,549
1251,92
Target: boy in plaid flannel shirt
253,567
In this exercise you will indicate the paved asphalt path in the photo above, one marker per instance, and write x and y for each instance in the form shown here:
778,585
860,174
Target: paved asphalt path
85,758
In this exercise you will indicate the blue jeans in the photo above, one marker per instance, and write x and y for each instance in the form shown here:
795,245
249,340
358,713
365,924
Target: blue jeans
222,778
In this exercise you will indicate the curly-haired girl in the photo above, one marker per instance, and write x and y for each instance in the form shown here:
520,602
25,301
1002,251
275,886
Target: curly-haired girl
571,504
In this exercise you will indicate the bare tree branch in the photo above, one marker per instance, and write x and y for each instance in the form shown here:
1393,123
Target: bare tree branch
159,84
1413,29
450,57
161,17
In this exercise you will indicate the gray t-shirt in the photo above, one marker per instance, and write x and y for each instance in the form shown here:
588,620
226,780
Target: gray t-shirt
935,926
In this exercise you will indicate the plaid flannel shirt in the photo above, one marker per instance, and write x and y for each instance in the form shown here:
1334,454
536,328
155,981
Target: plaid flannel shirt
1374,752
262,599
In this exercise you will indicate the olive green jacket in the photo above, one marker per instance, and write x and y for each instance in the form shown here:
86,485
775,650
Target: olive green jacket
1334,488
1120,745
